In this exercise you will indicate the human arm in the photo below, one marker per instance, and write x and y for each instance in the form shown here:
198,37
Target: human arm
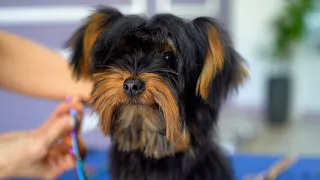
29,68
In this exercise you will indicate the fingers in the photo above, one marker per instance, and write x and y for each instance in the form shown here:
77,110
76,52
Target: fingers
65,107
60,122
54,167
56,158
59,149
57,129
60,153
58,161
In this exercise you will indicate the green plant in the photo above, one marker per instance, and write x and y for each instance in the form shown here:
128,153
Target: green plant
290,27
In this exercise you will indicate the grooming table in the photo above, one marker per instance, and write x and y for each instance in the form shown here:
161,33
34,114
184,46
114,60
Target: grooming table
305,168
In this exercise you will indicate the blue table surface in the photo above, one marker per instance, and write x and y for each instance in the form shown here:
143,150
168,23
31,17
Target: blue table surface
305,168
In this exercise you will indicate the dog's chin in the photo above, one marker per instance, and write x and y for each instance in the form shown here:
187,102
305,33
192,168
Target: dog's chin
141,128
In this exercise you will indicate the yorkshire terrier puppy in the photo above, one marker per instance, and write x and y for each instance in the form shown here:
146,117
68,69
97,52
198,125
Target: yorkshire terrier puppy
159,84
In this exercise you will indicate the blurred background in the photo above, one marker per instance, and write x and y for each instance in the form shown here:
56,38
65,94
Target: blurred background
276,111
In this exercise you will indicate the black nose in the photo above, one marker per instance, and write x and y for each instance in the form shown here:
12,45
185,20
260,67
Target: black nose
133,87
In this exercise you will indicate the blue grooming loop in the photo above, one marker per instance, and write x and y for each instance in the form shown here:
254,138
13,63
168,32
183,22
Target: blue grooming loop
306,168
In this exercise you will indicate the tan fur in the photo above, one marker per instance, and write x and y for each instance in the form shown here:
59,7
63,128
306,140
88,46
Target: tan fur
157,90
108,95
243,74
91,34
139,126
212,65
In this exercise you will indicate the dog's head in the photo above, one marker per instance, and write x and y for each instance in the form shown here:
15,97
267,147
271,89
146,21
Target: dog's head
146,71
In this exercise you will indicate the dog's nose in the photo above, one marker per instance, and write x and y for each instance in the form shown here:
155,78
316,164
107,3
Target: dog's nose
133,87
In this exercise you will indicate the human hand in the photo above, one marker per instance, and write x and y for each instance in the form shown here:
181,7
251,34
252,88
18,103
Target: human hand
39,153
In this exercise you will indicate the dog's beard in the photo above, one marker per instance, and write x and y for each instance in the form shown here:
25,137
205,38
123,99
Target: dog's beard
149,122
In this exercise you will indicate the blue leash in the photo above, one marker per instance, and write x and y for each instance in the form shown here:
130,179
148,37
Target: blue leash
75,151
75,146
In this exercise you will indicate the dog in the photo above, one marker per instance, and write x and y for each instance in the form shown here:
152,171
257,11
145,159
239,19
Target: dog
159,84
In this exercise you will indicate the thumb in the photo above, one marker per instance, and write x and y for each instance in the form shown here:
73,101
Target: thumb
56,129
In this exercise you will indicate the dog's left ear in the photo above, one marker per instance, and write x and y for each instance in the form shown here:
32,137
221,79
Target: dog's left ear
83,39
222,67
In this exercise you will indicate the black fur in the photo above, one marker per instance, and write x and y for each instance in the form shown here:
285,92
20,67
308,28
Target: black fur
140,53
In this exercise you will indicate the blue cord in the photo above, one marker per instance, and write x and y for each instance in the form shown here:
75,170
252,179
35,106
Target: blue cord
75,148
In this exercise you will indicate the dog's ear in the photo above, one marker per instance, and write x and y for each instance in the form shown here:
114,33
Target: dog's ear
84,38
222,69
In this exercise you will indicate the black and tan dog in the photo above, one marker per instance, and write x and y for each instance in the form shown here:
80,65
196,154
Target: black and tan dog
159,86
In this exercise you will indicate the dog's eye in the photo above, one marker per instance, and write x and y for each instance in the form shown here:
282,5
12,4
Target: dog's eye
168,56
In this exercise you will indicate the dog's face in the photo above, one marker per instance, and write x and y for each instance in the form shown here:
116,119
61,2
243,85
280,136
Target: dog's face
146,71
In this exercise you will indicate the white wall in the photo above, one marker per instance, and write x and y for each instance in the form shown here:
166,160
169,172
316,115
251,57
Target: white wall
307,82
250,25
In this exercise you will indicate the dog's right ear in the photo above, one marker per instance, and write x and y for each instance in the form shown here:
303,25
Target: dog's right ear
85,37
